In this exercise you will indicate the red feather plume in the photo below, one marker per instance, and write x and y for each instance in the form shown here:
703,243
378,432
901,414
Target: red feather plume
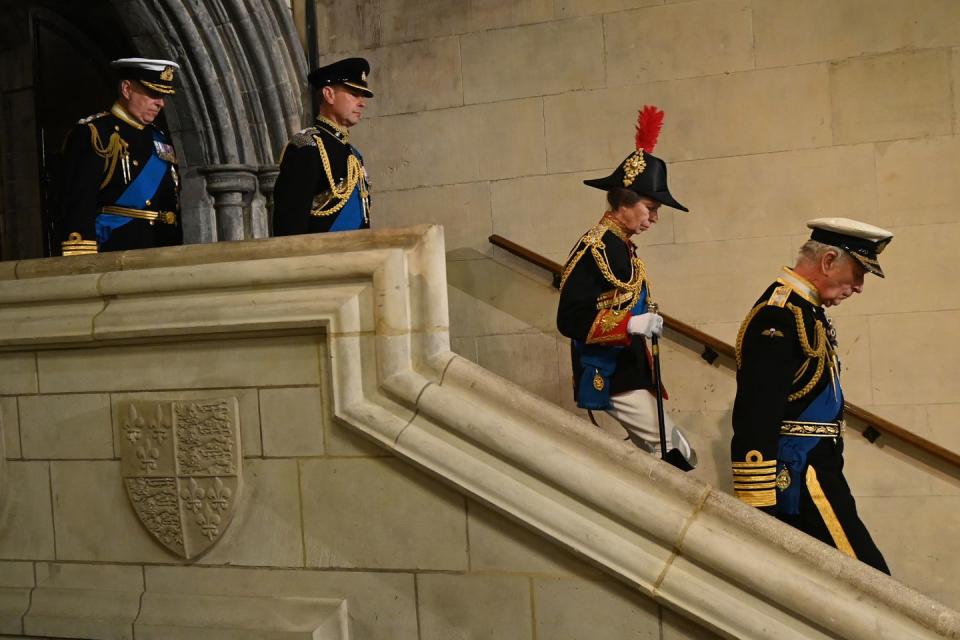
649,121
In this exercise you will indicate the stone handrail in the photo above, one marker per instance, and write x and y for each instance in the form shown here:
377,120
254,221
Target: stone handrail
713,346
381,300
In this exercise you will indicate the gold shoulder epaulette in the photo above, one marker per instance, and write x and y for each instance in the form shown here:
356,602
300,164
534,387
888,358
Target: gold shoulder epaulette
594,237
591,240
89,119
779,297
304,137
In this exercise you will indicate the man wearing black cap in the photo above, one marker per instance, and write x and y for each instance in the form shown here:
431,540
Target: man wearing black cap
605,300
323,184
787,448
121,183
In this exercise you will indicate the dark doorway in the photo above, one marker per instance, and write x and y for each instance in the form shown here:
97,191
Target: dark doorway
53,71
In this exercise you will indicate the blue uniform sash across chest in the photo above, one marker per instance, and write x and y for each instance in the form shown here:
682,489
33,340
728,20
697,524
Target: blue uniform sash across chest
139,192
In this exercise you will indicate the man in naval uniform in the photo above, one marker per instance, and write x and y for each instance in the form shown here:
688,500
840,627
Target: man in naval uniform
787,448
605,300
121,183
322,184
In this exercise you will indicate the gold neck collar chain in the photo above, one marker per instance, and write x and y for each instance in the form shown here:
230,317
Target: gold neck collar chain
118,110
341,132
803,287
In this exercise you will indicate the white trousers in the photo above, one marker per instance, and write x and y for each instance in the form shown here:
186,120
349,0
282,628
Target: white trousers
636,411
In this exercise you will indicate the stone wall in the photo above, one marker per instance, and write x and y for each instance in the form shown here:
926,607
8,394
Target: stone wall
490,113
341,518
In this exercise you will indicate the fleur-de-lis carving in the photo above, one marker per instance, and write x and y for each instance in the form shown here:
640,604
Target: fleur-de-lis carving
209,523
193,496
133,425
158,429
219,495
148,457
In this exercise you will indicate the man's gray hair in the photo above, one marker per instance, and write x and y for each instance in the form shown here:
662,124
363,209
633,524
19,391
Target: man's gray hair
812,251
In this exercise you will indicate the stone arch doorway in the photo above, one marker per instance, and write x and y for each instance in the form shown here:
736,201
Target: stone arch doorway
240,97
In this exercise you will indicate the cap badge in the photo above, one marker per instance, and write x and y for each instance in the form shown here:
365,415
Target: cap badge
363,76
167,74
633,166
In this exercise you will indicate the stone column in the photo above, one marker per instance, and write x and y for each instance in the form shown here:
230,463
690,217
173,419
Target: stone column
231,185
267,178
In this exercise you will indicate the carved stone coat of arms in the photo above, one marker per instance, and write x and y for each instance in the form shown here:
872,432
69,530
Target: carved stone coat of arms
181,465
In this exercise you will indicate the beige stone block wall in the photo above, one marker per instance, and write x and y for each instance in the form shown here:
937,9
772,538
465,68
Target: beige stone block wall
916,181
492,14
380,523
578,609
10,424
533,60
322,514
66,426
292,421
776,112
865,109
716,36
16,580
789,33
448,607
18,373
26,518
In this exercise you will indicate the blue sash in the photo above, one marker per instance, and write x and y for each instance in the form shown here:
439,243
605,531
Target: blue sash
106,223
135,196
350,217
792,451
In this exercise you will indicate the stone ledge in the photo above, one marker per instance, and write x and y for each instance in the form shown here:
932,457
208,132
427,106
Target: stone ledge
104,613
82,613
186,616
13,604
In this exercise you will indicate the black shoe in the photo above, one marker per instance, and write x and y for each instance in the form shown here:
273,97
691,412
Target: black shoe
676,458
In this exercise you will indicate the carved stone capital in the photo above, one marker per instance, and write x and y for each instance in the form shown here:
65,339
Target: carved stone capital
230,178
267,178
230,186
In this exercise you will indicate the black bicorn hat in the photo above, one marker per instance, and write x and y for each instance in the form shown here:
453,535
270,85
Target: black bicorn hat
351,72
641,171
157,75
863,242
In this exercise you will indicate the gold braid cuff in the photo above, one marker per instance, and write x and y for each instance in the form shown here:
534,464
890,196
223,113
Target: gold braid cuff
75,245
754,480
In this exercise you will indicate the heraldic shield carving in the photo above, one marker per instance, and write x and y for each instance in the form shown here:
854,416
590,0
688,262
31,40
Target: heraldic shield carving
181,465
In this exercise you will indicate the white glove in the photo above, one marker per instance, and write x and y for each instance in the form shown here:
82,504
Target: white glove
646,324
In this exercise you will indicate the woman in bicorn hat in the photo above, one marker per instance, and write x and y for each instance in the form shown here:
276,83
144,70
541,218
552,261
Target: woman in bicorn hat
606,302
